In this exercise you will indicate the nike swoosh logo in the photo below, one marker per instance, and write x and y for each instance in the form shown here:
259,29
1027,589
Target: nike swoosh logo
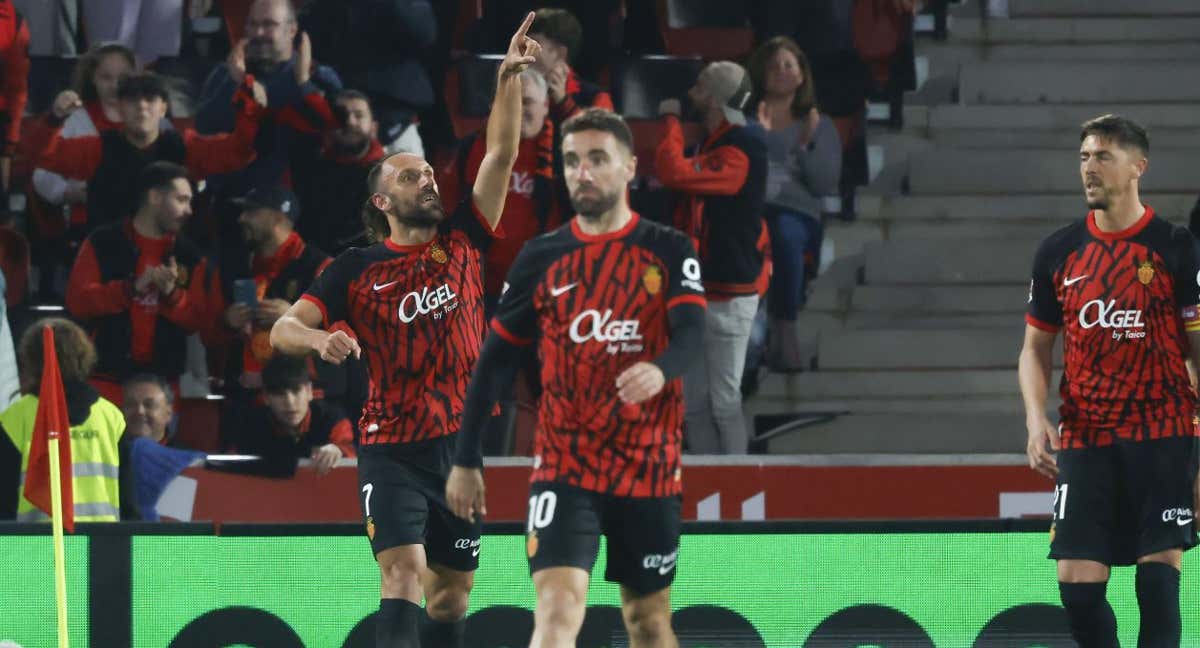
666,569
1068,282
475,553
377,287
555,292
1182,522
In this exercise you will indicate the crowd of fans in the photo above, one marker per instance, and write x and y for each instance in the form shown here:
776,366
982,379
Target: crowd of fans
155,231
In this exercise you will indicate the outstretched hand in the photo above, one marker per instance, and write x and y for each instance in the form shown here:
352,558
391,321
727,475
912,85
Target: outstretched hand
522,50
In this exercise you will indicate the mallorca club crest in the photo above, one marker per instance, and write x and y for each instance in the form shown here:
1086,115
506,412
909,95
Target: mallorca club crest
1145,272
531,544
370,528
652,279
438,254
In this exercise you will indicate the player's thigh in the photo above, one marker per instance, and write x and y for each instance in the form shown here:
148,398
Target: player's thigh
1159,479
643,542
394,506
562,528
1085,508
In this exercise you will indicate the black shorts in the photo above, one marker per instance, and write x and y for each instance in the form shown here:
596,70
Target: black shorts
1117,503
565,523
402,489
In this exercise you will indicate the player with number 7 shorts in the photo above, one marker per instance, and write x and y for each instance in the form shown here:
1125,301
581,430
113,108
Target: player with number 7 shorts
1123,285
615,306
414,302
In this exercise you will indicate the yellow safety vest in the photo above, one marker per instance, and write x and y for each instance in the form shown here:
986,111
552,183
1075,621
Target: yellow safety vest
94,459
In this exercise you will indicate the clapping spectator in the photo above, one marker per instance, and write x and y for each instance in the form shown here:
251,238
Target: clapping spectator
719,201
111,161
291,425
105,492
377,45
804,162
561,37
282,266
139,287
332,183
149,408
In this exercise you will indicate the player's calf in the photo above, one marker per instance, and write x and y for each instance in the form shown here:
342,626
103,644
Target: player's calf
1158,600
648,619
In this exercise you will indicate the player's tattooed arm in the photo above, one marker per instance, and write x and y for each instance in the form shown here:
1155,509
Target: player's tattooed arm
504,126
297,333
1034,367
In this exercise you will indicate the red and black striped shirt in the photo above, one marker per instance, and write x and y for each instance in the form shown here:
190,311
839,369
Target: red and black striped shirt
597,305
1125,302
417,312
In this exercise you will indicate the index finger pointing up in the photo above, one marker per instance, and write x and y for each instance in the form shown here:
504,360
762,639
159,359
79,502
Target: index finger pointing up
524,28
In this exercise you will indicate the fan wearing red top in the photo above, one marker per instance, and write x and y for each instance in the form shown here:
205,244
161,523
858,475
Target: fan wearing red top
615,306
414,302
1124,288
561,36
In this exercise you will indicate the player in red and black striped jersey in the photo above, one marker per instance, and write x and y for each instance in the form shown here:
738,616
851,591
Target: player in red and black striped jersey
414,305
615,305
1124,287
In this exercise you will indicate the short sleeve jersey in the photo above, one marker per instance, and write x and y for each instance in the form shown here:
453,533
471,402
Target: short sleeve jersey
597,305
1125,302
417,312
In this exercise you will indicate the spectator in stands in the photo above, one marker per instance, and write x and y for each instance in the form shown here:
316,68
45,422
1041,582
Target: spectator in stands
151,28
532,205
719,201
95,81
804,164
149,408
110,162
14,89
282,267
291,426
139,287
561,37
102,483
10,385
377,46
333,182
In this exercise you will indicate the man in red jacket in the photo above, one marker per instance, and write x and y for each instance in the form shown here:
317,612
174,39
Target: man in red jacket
139,288
111,161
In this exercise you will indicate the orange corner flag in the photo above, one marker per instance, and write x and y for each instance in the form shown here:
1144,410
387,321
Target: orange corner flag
51,423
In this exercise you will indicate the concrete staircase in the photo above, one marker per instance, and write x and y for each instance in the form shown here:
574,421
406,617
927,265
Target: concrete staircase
914,330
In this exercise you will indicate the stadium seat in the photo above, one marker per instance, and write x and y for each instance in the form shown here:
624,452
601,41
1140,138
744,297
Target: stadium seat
470,84
644,82
710,29
48,75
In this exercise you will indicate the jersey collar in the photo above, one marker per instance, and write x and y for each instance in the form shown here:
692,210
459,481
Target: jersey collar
1128,232
607,236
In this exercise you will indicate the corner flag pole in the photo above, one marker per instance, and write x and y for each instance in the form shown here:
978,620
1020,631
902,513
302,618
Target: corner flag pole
60,561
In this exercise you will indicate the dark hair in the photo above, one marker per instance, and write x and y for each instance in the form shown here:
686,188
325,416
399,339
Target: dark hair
142,85
85,69
601,120
157,175
562,26
285,373
378,227
1122,130
147,378
76,353
806,95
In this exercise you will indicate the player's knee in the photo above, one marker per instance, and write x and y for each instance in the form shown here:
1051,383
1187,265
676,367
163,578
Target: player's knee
646,625
447,603
560,609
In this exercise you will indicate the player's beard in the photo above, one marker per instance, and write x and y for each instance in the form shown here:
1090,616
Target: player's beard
1100,201
422,213
594,206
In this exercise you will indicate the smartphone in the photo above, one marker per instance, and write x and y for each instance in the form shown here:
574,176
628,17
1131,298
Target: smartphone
245,291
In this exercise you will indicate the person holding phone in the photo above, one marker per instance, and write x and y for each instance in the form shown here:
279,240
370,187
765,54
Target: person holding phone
282,267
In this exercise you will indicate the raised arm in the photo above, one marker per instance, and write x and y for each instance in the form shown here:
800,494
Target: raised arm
504,127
